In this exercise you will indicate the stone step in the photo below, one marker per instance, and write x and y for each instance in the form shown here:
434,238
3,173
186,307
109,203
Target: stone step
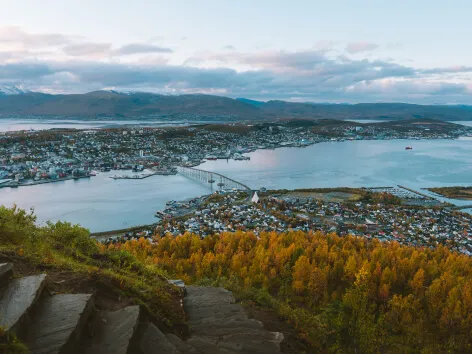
114,331
249,346
219,332
182,346
207,345
217,311
6,272
220,325
210,344
57,323
153,341
17,300
235,321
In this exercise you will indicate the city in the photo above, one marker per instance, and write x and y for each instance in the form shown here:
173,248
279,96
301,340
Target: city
371,213
235,177
34,157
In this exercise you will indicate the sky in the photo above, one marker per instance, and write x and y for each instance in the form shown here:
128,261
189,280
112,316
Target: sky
299,50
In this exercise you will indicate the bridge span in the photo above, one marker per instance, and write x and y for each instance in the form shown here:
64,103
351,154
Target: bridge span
211,178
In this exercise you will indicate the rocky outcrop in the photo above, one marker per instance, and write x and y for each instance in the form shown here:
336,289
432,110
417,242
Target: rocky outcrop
70,323
58,322
18,298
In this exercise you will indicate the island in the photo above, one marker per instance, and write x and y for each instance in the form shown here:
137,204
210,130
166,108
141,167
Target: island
456,192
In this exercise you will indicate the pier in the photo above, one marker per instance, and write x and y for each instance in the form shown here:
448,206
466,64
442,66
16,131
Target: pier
211,178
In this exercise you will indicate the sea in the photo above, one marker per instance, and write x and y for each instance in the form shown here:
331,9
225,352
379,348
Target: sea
13,124
102,203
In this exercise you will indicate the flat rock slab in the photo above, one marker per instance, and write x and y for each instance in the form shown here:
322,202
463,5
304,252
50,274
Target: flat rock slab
207,346
182,346
6,272
153,341
58,322
219,325
115,331
18,298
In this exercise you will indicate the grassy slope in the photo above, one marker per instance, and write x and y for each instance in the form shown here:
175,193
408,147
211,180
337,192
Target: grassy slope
75,263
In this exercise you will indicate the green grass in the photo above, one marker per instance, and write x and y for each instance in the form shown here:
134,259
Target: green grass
61,248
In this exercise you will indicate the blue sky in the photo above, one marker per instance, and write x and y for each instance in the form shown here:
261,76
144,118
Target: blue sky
323,51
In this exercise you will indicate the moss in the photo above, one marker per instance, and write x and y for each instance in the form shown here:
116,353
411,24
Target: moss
9,343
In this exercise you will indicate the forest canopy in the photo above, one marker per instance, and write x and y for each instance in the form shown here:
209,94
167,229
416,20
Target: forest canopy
343,294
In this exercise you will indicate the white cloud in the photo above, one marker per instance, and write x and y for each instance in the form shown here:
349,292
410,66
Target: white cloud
358,47
58,63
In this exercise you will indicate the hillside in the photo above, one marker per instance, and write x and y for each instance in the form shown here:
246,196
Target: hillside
115,104
340,294
62,292
377,111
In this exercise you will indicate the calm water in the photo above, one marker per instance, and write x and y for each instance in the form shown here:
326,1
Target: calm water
101,203
355,164
12,124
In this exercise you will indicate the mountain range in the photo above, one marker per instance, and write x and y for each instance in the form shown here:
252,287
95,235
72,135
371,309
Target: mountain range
15,102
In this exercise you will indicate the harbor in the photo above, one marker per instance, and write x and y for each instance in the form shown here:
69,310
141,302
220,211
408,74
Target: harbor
101,204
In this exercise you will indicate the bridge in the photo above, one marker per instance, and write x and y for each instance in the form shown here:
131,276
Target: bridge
211,178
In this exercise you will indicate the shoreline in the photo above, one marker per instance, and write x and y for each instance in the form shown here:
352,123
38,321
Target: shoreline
453,192
35,183
118,232
248,151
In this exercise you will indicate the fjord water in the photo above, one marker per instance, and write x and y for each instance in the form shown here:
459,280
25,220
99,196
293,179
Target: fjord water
12,124
101,203
355,164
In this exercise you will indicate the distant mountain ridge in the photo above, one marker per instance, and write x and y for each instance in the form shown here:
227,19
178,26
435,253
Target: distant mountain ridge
11,90
115,104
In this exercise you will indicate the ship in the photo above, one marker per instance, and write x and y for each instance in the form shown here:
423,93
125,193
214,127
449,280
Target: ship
409,148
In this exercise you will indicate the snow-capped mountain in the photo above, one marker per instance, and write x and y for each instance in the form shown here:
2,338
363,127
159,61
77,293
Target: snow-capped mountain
11,90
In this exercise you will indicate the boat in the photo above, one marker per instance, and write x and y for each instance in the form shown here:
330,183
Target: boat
409,148
220,184
211,181
211,157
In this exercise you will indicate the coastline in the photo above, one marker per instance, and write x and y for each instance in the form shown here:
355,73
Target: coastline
459,193
119,232
44,181
85,212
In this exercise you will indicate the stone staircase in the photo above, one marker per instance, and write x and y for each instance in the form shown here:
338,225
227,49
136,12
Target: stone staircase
219,325
70,323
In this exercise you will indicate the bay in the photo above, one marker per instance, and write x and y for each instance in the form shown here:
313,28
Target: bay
17,124
101,203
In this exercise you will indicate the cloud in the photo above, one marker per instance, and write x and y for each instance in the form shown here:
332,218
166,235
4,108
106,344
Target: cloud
139,48
58,63
15,35
346,80
87,49
358,47
15,40
448,70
